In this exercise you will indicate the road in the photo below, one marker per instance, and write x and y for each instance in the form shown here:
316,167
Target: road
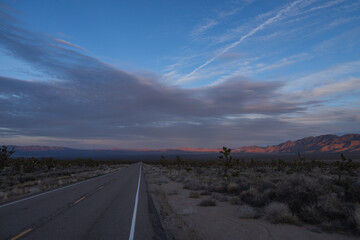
112,206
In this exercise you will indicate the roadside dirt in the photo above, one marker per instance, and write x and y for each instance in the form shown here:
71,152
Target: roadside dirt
182,218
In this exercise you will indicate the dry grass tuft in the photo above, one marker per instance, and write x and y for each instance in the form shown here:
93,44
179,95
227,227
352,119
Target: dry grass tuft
254,198
193,194
279,213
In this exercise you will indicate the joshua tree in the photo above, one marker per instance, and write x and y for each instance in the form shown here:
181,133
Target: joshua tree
226,160
299,164
5,155
163,161
346,164
301,158
179,162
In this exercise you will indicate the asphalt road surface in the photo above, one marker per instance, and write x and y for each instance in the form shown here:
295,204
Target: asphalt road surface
112,206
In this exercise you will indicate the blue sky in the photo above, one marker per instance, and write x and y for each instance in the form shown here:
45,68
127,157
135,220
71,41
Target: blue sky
160,74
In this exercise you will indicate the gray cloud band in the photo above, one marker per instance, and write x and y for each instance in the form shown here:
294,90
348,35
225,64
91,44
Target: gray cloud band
87,98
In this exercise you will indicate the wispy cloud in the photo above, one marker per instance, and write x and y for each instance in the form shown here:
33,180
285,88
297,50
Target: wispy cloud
322,6
280,14
207,24
323,117
337,87
331,89
325,76
294,18
70,44
283,62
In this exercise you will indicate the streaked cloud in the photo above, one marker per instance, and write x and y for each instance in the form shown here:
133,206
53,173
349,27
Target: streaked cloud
220,16
325,76
70,44
209,23
253,31
330,89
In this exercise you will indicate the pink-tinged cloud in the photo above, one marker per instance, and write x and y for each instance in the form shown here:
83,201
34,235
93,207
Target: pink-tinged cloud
70,44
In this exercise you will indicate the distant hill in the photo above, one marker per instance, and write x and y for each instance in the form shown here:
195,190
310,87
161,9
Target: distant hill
319,144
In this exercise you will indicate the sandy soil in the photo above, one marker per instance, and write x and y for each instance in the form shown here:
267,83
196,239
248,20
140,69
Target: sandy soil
182,218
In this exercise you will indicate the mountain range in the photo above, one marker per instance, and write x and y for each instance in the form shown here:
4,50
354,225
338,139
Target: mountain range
318,144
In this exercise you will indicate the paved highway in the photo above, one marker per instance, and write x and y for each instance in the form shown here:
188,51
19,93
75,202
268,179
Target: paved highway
113,206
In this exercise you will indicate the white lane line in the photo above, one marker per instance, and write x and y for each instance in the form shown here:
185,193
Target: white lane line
55,190
132,231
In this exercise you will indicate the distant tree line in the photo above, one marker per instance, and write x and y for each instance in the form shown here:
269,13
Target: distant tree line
225,163
33,164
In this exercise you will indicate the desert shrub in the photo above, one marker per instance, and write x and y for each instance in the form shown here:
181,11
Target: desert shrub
207,203
279,213
243,184
17,164
220,197
246,211
30,165
193,194
311,214
261,170
332,207
269,194
356,216
327,225
235,174
234,201
233,188
329,211
352,190
5,155
219,187
193,184
205,192
299,191
253,198
264,185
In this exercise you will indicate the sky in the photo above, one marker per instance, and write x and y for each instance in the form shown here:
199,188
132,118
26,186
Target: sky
171,74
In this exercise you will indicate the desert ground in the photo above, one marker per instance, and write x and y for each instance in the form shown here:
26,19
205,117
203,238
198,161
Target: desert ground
254,200
225,199
22,177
